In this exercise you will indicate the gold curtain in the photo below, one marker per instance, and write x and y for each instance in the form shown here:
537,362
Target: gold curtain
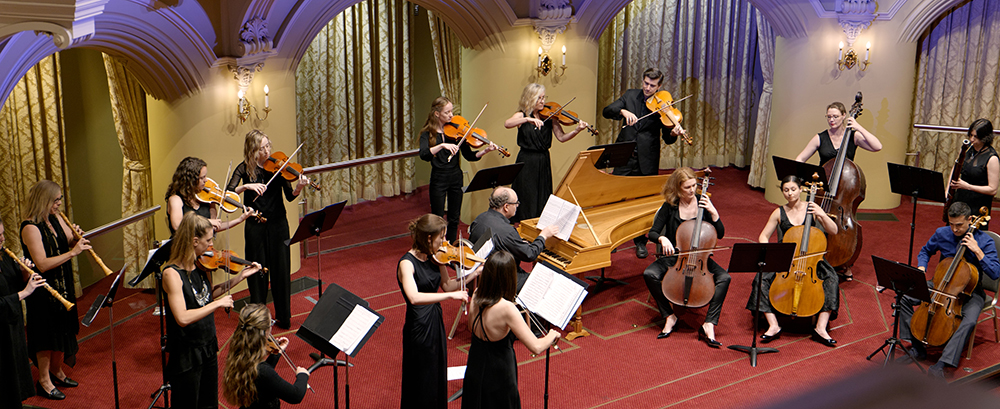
706,49
958,80
128,104
354,100
33,141
448,59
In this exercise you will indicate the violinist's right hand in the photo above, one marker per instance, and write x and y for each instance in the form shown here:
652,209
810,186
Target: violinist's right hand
668,248
630,118
81,246
300,369
257,188
538,122
462,295
225,302
452,148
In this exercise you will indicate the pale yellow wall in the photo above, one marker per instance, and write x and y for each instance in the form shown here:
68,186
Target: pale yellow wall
806,80
498,77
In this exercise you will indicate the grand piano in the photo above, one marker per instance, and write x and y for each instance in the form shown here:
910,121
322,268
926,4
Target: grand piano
615,209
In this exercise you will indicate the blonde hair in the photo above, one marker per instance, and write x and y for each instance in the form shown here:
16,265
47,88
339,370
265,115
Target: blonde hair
247,348
250,147
528,98
424,228
671,189
182,246
432,121
41,197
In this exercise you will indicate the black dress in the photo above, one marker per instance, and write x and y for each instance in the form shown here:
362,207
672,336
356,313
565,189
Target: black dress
272,389
824,271
491,372
446,179
203,210
50,327
265,242
974,173
534,183
827,151
425,360
193,367
15,370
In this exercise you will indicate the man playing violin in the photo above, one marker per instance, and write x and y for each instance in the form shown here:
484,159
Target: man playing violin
982,254
646,133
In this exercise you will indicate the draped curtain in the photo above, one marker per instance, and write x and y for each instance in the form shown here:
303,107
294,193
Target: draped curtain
958,80
765,44
128,104
448,59
706,49
354,100
33,143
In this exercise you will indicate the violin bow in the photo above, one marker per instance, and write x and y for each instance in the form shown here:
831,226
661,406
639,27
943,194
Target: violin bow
274,340
471,126
559,111
534,319
658,110
229,286
282,168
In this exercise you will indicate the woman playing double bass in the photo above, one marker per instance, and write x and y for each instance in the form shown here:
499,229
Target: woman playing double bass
826,143
980,169
783,218
682,204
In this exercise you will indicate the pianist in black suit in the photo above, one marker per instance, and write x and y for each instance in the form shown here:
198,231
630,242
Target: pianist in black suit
503,205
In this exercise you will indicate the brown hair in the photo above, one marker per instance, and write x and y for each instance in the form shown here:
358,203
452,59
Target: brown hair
671,189
432,121
182,246
41,197
247,348
185,181
423,229
251,144
498,280
653,74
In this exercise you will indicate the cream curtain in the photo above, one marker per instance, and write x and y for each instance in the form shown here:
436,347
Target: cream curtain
33,143
706,49
958,80
353,99
760,160
128,104
448,59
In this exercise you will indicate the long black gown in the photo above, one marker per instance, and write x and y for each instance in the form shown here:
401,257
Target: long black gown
491,372
534,183
425,360
50,327
974,172
15,370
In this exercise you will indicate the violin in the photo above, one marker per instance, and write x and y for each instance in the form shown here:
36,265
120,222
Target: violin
556,112
227,260
290,172
459,128
229,202
463,255
799,291
274,349
847,186
956,174
688,282
663,103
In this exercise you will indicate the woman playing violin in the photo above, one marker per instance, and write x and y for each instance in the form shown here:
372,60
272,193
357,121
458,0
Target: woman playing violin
265,241
783,218
446,175
425,357
534,137
682,204
827,143
980,170
249,379
188,180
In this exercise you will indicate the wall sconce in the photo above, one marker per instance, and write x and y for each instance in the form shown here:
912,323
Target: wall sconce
244,107
545,63
852,58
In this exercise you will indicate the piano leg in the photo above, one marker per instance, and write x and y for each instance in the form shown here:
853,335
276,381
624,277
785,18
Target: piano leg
600,281
577,325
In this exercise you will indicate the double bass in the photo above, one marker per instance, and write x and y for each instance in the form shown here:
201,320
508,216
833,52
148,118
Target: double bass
799,291
955,278
846,191
688,282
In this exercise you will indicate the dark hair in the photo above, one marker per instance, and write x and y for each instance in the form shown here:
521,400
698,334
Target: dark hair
498,280
790,179
983,130
500,197
959,209
423,229
653,74
185,180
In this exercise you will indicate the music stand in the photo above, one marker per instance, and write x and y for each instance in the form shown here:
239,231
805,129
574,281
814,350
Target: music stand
314,224
490,178
759,258
903,280
154,266
108,301
784,167
919,184
326,318
614,155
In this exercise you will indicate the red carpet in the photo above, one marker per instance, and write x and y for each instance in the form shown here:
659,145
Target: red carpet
620,365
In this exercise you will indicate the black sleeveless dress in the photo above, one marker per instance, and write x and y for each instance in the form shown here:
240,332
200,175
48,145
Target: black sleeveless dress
193,366
50,327
425,359
491,372
974,172
15,371
534,183
203,210
828,151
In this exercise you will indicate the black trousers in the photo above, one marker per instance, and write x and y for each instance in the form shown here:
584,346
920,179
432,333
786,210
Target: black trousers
653,276
447,186
196,388
953,348
265,244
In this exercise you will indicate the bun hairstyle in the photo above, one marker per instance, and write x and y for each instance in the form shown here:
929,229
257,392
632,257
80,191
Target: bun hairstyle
790,179
423,229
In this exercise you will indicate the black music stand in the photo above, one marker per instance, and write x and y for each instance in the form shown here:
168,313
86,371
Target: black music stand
784,167
313,225
490,178
759,258
154,266
919,184
108,301
614,155
324,321
903,280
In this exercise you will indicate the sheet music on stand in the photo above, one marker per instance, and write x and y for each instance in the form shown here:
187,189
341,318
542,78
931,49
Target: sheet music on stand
340,322
561,213
552,294
354,329
483,248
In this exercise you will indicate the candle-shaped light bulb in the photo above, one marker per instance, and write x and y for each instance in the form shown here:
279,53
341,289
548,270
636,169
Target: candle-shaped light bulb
240,96
868,50
564,56
840,54
539,56
265,96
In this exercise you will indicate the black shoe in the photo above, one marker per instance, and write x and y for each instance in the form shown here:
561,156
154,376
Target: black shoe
917,353
664,335
936,371
69,383
708,341
641,252
764,338
830,342
54,395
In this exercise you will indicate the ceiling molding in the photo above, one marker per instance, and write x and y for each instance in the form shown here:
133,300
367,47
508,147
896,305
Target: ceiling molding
921,16
595,15
785,19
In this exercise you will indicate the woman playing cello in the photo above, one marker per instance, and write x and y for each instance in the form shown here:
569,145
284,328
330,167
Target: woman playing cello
682,204
783,218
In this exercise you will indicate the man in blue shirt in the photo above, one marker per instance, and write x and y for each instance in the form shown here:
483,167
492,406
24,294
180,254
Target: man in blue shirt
981,253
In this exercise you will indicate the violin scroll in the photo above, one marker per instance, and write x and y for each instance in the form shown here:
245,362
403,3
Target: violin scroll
292,171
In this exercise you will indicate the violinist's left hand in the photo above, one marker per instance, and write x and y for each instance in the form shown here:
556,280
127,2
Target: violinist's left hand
678,131
580,126
282,342
302,182
706,203
252,269
492,147
970,242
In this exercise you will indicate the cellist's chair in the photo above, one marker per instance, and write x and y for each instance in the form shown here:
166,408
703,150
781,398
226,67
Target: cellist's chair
990,303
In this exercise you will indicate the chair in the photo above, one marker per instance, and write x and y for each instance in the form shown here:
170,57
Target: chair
990,303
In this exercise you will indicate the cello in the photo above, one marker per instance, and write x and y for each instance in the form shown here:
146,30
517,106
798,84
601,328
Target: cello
688,282
846,192
799,292
955,278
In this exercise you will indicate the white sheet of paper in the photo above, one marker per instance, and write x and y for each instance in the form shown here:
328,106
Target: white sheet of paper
456,372
561,213
354,329
483,252
551,295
